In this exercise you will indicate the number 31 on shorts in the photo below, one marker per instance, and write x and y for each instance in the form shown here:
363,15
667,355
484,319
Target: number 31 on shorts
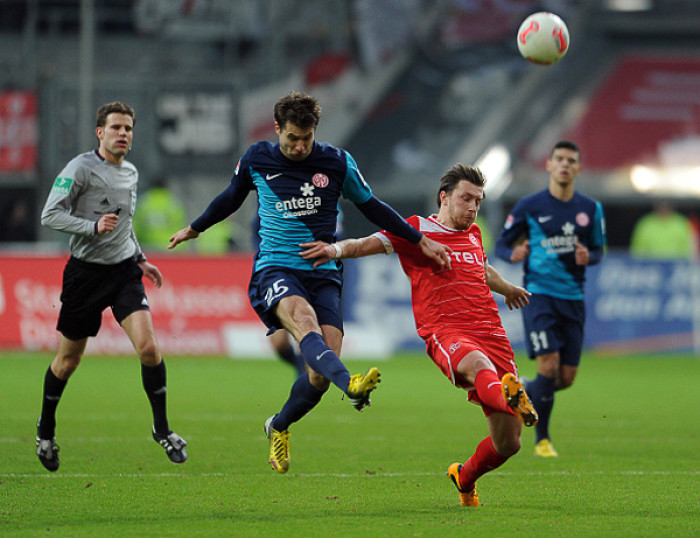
539,341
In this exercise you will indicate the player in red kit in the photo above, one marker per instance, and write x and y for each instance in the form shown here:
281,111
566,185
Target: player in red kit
458,319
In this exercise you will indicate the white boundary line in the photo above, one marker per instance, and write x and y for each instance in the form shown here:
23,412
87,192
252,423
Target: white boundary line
345,475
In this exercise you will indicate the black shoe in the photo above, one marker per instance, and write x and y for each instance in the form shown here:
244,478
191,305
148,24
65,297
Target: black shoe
173,444
47,450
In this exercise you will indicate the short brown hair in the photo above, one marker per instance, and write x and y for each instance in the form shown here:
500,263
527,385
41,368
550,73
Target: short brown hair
298,109
460,172
110,108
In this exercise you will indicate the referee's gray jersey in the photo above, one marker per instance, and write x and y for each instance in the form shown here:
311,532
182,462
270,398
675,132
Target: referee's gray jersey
87,188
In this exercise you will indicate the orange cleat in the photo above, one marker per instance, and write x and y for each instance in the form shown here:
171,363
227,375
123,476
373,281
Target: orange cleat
467,498
517,399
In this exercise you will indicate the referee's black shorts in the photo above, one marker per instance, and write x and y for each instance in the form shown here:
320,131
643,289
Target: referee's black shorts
89,288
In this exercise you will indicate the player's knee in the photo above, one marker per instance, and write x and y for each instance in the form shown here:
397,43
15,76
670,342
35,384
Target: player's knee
564,382
508,446
282,348
548,364
472,364
63,366
148,352
482,363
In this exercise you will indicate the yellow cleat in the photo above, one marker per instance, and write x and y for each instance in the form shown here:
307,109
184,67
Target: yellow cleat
544,449
360,386
279,447
467,498
517,399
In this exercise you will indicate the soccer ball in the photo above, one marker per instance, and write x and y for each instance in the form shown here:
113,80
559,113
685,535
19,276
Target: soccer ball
543,38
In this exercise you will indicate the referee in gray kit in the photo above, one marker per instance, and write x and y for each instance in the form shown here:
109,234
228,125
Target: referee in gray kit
93,199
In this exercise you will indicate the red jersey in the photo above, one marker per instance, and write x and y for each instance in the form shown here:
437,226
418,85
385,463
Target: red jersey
458,300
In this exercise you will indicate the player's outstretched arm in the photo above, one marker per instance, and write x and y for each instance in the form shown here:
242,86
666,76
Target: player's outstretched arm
183,235
515,296
323,252
385,217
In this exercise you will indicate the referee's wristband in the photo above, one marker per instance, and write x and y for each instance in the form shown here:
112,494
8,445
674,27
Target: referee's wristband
338,250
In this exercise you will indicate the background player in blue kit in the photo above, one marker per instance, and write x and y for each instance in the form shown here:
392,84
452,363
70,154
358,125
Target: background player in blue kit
299,182
556,233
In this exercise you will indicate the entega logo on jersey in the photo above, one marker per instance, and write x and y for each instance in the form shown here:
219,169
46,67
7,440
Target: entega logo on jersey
561,244
299,207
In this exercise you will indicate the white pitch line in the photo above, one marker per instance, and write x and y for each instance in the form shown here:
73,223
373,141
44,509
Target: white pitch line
343,475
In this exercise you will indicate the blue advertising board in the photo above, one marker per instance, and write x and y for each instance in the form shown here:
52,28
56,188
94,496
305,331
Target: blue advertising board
632,305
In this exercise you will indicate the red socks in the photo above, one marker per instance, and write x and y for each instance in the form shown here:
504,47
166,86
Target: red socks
490,391
485,459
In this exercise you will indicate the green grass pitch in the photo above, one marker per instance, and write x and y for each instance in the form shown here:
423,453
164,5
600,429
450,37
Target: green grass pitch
627,432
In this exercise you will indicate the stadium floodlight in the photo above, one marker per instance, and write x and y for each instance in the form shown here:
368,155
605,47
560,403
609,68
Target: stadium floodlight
629,5
495,164
678,180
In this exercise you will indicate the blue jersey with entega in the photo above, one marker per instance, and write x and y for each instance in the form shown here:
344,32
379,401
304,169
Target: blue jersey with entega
553,228
297,200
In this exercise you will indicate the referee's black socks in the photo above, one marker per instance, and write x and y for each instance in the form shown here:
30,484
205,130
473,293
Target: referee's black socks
53,389
154,384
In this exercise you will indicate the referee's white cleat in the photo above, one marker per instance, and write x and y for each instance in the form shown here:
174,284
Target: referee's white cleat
173,444
47,451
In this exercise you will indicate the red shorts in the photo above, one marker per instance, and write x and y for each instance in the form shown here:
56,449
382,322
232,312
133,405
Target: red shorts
447,350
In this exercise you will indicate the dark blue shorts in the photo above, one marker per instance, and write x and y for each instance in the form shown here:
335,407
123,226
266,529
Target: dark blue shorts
321,288
553,324
89,288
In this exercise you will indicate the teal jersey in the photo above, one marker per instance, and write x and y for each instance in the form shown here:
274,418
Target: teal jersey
553,228
297,200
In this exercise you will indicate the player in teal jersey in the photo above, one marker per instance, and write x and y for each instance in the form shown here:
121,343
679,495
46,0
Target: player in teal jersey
299,182
556,233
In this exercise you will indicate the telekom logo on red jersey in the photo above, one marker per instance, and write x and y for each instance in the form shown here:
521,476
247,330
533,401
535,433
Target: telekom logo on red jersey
466,257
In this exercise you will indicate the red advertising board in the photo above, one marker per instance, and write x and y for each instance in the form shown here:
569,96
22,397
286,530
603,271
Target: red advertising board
18,131
199,299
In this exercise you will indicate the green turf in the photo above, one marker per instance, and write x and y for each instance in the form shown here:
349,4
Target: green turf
627,433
